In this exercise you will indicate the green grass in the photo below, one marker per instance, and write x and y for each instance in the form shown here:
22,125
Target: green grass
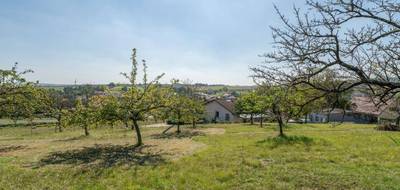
310,156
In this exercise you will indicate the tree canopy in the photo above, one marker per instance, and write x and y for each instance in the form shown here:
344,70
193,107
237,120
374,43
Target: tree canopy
356,41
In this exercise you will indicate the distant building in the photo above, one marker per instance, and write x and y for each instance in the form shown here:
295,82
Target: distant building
221,111
363,110
335,115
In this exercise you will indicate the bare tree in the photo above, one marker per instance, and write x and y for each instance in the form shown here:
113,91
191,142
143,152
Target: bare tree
139,101
356,42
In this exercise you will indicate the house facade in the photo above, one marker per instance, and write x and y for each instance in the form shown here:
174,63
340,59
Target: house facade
220,111
335,115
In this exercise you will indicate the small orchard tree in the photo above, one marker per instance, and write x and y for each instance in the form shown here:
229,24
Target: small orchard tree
108,109
196,111
263,105
282,102
14,93
83,116
182,106
177,110
57,107
13,83
247,104
139,101
22,106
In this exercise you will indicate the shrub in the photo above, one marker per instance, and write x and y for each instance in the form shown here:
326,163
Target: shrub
388,127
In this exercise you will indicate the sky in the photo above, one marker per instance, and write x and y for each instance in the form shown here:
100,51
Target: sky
205,41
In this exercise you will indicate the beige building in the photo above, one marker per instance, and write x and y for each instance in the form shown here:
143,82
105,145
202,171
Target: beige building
218,111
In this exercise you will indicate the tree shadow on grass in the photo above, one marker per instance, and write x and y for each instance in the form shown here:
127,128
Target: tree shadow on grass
277,141
5,149
103,156
182,134
71,139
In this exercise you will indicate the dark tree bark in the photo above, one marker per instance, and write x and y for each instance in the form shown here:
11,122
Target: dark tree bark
179,123
251,119
278,116
193,122
86,130
168,128
281,125
261,120
139,141
178,128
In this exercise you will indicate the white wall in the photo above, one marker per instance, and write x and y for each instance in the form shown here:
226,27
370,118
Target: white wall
213,107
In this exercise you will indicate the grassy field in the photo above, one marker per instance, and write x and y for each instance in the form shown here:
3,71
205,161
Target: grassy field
236,156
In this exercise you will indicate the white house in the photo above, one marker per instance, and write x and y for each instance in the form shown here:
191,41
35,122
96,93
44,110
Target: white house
221,111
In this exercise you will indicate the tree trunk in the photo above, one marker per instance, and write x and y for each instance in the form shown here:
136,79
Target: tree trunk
139,141
306,118
280,122
261,120
179,124
86,130
278,117
193,122
59,124
167,129
133,127
251,119
179,128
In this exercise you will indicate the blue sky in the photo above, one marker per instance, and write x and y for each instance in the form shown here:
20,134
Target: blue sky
208,41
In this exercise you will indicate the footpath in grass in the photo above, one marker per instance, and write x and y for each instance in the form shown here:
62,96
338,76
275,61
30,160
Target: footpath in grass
231,156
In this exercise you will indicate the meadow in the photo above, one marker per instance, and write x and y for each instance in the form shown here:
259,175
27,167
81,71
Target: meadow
220,156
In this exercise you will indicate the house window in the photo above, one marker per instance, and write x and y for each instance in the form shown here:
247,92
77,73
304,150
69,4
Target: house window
216,114
227,117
